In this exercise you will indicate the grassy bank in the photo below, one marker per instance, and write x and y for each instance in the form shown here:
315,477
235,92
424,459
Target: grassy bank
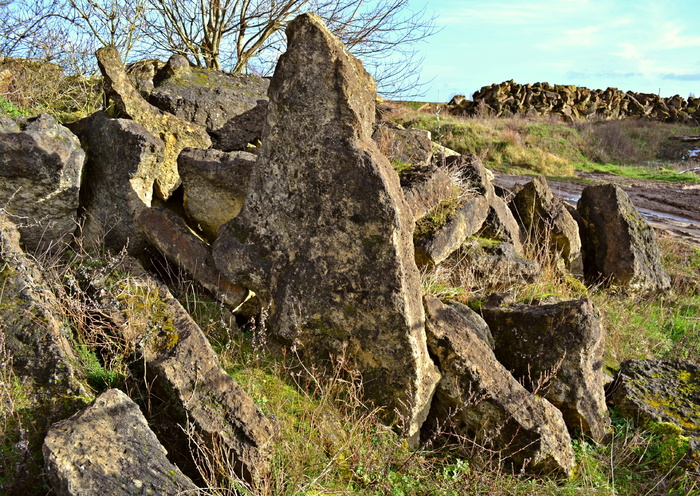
543,145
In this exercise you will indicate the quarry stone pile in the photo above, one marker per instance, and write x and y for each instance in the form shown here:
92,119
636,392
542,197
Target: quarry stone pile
573,102
275,197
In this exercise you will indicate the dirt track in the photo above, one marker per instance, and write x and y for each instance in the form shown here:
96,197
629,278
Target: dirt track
674,207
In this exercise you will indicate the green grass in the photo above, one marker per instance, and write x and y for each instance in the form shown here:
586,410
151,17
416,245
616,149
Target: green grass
9,109
630,148
658,173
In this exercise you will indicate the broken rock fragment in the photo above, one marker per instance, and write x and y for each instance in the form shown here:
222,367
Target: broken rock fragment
175,133
108,448
480,399
556,350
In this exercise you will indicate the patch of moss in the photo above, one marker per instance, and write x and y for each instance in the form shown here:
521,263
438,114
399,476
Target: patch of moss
437,218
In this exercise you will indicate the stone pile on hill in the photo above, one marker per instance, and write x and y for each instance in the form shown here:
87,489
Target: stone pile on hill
317,236
573,102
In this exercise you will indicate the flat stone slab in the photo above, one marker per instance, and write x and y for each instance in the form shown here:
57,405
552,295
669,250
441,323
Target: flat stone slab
108,448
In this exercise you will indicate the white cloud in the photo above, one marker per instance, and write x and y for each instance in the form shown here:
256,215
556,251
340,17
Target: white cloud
629,51
673,37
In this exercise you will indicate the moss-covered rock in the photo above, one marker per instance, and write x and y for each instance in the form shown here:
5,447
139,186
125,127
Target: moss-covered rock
657,391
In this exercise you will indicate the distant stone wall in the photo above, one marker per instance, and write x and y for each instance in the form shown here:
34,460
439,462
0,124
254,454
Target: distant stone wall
573,102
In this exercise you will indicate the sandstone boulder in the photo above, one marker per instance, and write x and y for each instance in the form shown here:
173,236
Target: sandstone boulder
108,448
185,372
171,236
41,167
215,184
474,322
547,222
124,162
556,351
434,247
324,237
31,319
481,400
658,391
174,132
623,245
495,265
231,108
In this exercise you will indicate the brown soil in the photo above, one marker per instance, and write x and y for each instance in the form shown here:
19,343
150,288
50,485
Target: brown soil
674,207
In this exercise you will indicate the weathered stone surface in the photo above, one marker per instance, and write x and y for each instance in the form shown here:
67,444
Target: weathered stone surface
215,184
175,133
124,162
8,125
184,372
500,224
436,247
495,265
31,321
424,188
474,322
404,146
171,236
142,73
35,349
657,391
231,108
546,222
562,340
108,448
40,173
623,245
482,400
324,236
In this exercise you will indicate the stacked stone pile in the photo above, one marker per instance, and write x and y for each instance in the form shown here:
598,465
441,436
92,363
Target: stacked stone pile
315,232
573,102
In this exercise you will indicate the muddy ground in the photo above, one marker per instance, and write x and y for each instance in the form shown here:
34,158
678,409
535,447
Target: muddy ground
674,207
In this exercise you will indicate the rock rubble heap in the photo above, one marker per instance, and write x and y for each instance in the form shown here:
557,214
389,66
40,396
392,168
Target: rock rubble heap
573,102
316,234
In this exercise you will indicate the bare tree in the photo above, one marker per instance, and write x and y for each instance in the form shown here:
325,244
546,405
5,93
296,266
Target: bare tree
29,29
110,22
242,32
197,29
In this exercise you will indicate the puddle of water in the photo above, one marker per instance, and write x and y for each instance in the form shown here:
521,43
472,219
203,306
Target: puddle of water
648,214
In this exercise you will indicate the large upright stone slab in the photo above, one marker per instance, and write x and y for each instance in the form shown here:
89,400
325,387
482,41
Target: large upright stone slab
324,236
623,248
41,164
128,102
124,162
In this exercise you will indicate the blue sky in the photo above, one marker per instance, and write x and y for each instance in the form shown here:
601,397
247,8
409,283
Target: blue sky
638,45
